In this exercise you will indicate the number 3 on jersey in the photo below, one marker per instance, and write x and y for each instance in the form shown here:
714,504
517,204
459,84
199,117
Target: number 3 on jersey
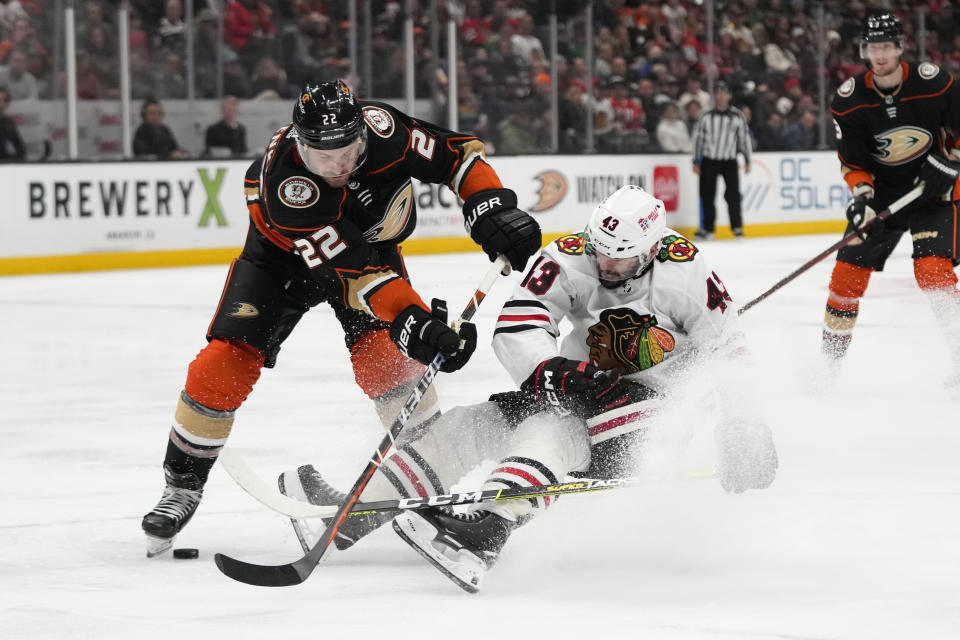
325,241
717,295
541,276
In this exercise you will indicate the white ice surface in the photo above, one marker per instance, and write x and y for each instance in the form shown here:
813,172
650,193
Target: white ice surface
857,538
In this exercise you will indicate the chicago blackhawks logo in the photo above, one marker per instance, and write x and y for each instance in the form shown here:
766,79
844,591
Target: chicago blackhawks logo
901,145
298,192
676,249
571,245
553,188
628,342
379,120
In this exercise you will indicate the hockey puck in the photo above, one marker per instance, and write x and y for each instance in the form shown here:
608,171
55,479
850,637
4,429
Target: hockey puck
185,554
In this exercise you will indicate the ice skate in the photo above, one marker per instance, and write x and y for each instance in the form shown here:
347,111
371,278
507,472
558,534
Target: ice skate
307,485
462,546
703,234
179,501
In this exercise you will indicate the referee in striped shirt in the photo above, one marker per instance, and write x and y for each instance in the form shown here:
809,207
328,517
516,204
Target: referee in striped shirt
718,136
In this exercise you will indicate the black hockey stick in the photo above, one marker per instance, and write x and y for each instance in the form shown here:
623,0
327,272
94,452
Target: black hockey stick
904,200
285,575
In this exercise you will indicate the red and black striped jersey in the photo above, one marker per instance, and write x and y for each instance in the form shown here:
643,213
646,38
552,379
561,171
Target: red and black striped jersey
339,234
885,134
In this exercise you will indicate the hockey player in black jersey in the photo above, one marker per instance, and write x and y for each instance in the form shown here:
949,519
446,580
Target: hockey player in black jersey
891,123
330,201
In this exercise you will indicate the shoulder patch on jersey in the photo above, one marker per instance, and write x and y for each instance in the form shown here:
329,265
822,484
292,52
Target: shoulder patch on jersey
379,120
571,245
298,192
928,70
627,341
846,89
675,248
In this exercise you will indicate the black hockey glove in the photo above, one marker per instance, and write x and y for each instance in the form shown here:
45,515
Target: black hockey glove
862,214
569,386
494,222
421,335
938,174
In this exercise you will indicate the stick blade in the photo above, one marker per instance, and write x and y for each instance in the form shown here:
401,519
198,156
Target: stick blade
283,575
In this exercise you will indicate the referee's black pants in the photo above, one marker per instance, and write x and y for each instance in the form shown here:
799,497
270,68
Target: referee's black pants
709,170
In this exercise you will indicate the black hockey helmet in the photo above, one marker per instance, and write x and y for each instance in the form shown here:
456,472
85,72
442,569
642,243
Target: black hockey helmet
881,27
327,116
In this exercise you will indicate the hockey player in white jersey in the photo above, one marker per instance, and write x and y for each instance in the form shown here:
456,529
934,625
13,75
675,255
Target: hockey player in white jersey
644,308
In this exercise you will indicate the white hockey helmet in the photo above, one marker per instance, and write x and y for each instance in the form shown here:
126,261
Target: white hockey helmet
623,233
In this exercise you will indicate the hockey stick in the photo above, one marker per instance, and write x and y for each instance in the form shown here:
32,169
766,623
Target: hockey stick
904,200
276,501
296,572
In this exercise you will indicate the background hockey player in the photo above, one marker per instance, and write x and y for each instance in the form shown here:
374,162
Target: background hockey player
890,124
645,308
330,201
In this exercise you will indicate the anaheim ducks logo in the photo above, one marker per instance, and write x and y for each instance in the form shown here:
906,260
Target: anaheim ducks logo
901,145
396,217
628,342
676,249
298,192
379,120
928,70
244,310
553,188
846,89
571,245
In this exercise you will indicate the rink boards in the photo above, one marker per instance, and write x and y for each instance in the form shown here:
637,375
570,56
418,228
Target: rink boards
89,216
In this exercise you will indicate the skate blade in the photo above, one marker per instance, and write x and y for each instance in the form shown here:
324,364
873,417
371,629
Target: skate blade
156,546
465,569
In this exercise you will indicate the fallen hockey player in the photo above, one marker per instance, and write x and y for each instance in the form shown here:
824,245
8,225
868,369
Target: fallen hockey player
645,309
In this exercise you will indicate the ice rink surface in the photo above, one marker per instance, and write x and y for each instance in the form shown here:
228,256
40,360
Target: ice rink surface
859,537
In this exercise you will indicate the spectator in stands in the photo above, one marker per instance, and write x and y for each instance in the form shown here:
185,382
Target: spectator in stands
802,134
228,135
695,91
103,59
248,28
236,79
12,148
89,86
20,83
206,46
170,80
520,131
475,29
92,18
269,80
172,30
141,76
628,116
299,56
153,138
770,133
571,117
645,94
691,113
525,43
23,38
672,132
